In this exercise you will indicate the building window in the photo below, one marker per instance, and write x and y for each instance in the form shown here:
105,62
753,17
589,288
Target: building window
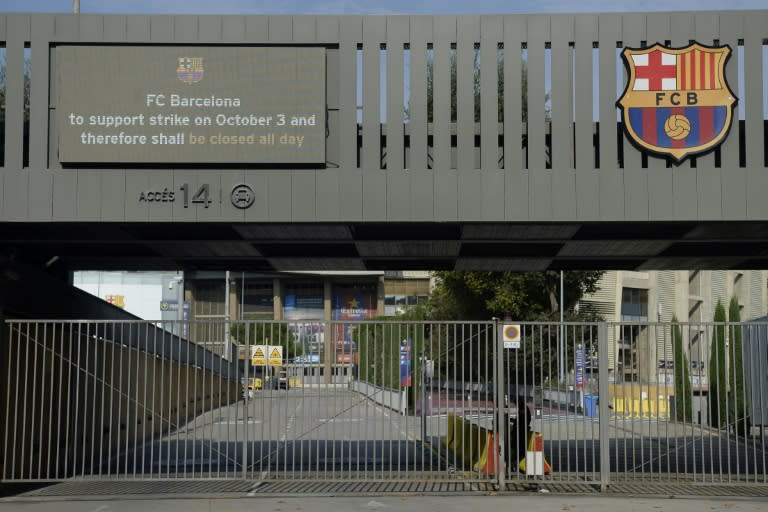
303,300
634,308
694,283
403,294
634,305
258,300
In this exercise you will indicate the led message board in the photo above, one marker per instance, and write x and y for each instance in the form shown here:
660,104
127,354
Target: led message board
190,105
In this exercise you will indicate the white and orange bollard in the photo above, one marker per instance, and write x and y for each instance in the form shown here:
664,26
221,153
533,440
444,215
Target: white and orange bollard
534,463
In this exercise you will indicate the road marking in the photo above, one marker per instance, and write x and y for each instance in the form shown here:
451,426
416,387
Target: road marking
252,490
291,421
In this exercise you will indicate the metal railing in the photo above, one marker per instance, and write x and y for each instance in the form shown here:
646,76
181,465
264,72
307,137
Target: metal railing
386,401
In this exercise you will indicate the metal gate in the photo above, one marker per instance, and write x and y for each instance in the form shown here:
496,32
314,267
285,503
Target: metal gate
384,401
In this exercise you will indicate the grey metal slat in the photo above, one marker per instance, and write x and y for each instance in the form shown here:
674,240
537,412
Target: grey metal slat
562,93
469,183
538,35
374,30
42,30
491,34
18,32
755,33
586,32
708,185
350,33
446,182
706,31
613,182
515,166
514,36
683,176
609,33
397,180
633,32
445,35
373,179
734,184
562,136
492,178
397,29
420,35
467,28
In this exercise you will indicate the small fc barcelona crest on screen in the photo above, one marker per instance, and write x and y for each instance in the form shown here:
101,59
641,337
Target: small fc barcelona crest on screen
190,69
677,102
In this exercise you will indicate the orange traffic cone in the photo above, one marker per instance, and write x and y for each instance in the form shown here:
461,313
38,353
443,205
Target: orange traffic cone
489,455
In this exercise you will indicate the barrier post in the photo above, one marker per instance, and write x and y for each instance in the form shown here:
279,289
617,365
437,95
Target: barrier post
603,400
498,400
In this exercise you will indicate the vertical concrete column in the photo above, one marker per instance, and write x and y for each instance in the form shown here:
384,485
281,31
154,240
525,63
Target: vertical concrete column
380,297
330,353
327,298
277,295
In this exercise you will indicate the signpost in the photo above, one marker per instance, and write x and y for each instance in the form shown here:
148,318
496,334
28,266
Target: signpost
406,378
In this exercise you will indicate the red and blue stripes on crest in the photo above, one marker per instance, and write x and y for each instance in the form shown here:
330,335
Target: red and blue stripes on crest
706,124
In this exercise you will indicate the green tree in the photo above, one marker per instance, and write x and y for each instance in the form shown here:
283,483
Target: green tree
380,344
521,296
718,383
530,296
738,394
476,88
683,395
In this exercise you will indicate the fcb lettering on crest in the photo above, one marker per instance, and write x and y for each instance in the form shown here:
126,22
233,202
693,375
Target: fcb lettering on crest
677,102
190,69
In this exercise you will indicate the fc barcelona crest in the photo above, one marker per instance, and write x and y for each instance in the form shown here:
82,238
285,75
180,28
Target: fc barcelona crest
677,102
190,69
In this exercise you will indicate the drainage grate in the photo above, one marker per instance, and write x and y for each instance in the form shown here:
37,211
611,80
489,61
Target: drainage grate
335,488
123,487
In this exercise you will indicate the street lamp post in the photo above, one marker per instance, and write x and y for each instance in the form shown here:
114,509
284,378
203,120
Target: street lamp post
561,338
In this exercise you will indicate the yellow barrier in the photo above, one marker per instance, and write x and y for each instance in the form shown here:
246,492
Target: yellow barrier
640,408
471,444
479,448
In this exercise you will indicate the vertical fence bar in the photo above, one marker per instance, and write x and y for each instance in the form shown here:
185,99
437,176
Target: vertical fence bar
603,402
498,403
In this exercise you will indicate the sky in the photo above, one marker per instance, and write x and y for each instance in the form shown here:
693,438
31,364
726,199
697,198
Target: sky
384,7
371,6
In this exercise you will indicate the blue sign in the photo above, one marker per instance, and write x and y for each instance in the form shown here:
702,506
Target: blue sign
405,364
185,317
580,366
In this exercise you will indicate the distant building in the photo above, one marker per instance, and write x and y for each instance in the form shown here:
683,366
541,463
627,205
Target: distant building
640,351
210,299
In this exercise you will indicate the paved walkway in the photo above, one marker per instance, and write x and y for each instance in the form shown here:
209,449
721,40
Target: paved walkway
406,503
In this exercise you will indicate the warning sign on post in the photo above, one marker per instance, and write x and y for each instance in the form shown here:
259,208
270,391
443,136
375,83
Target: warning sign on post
259,357
276,355
510,335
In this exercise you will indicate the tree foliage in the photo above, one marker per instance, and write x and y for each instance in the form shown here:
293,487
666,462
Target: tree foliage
382,342
520,296
717,375
738,394
477,91
530,296
683,395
